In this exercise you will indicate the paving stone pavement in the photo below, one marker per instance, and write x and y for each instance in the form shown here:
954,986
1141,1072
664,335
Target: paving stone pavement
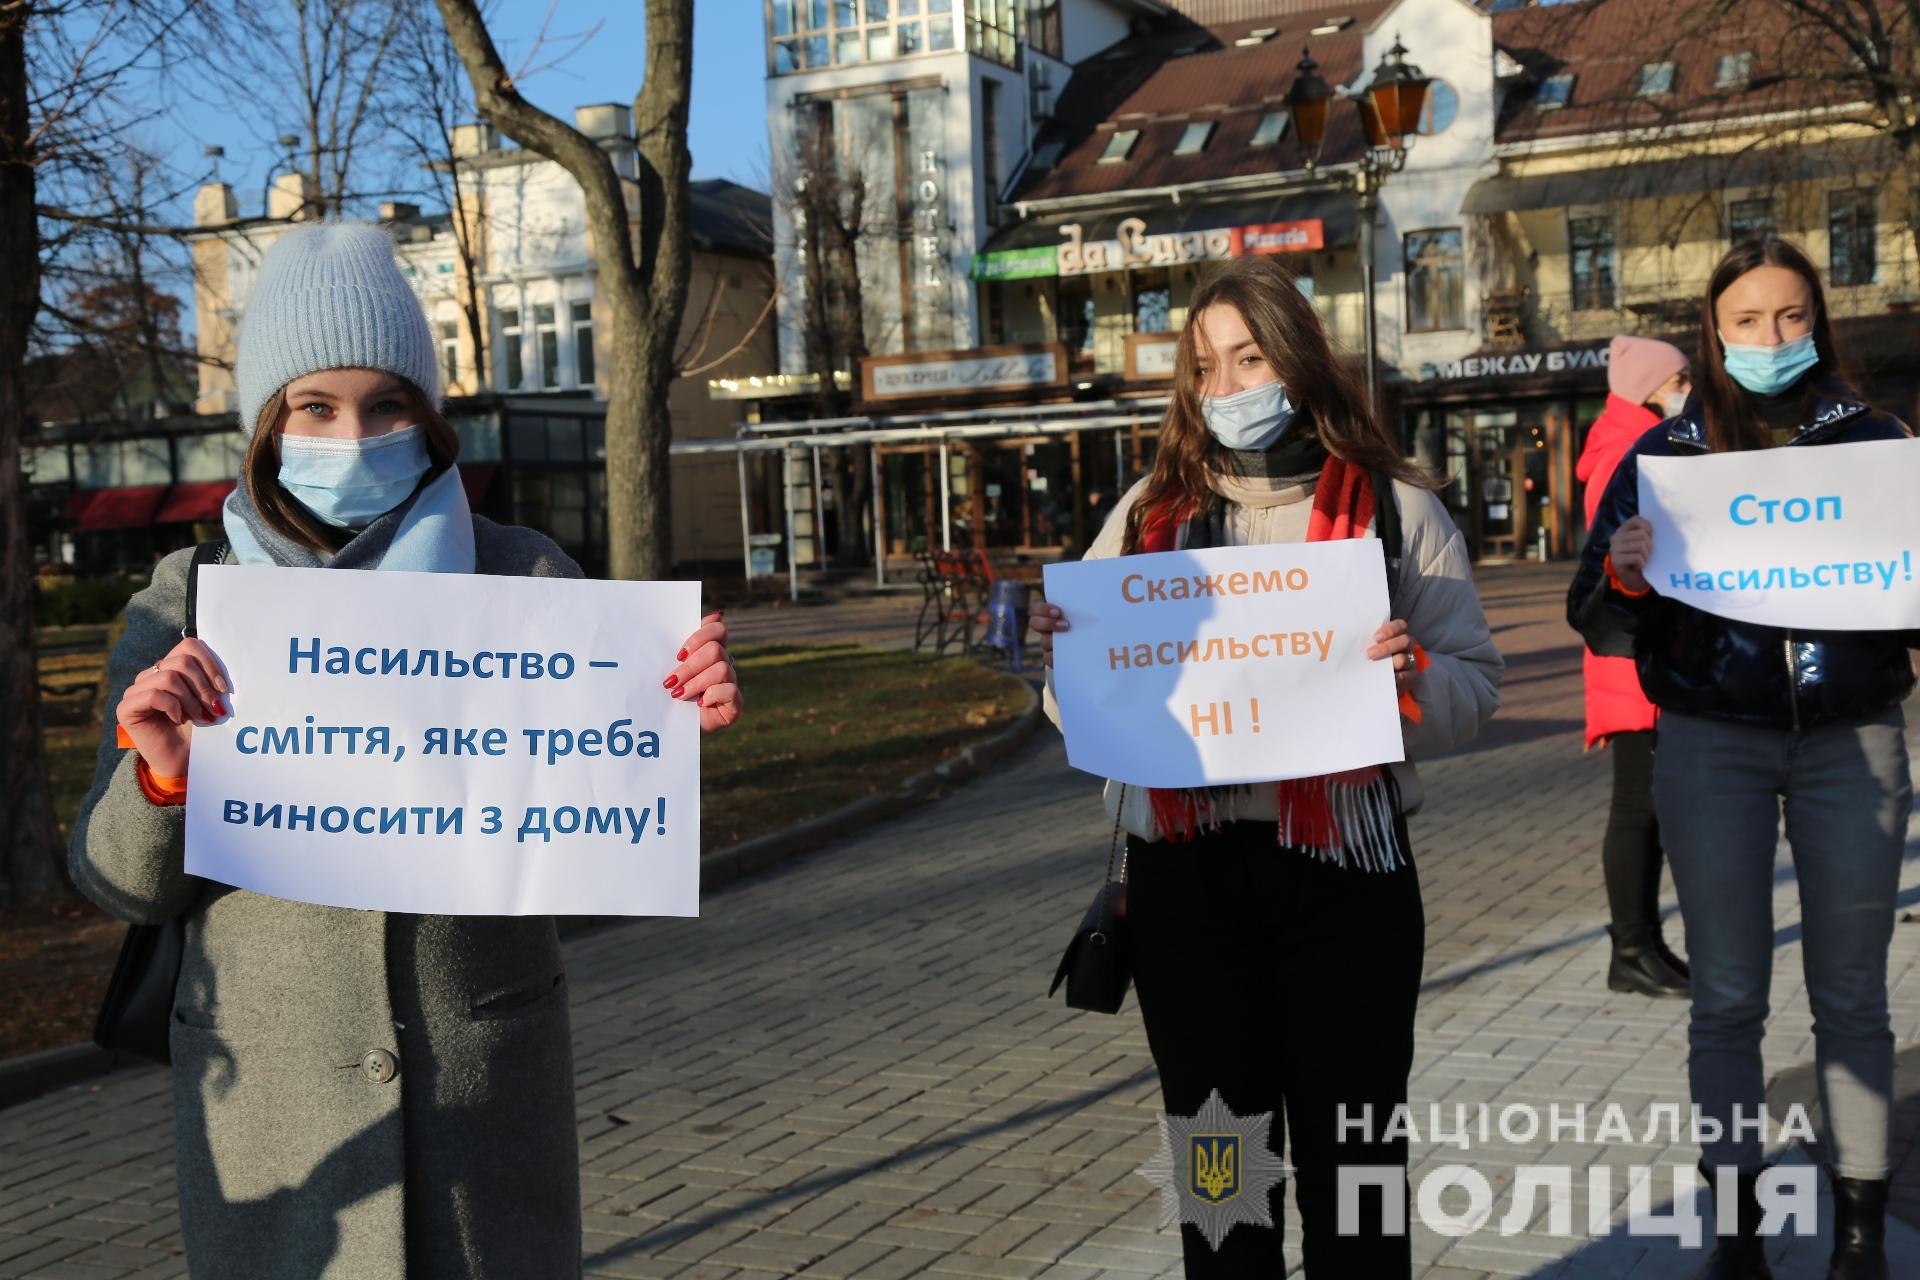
848,1066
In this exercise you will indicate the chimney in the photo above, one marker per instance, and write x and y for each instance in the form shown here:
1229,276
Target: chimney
293,196
476,139
604,120
214,205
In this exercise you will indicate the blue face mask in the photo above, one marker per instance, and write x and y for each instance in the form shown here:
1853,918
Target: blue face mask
349,482
1249,420
1767,371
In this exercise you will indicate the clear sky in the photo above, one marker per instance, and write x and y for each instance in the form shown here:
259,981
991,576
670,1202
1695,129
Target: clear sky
728,127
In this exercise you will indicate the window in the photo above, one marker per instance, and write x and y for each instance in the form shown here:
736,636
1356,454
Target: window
1750,219
515,374
1590,244
1043,26
1152,302
583,343
549,339
1119,146
1733,71
1441,109
810,34
990,142
1655,78
1436,280
1555,91
449,352
1048,155
1852,230
1272,128
1194,139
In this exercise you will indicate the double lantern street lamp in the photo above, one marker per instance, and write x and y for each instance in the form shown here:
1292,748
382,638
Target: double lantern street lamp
1390,110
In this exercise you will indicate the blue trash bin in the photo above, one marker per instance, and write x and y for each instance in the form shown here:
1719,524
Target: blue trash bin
1007,619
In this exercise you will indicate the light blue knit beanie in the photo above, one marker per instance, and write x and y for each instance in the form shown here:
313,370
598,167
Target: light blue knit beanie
330,296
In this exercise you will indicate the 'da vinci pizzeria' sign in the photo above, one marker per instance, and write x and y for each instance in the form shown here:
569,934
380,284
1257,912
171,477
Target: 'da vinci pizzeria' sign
1133,247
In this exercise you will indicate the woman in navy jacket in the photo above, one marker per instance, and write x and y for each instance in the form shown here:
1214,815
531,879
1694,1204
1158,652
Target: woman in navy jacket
1757,721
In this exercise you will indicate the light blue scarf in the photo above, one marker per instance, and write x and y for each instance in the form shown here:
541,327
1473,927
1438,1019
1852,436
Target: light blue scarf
431,532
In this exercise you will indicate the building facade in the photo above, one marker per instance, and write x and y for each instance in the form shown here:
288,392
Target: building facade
1060,177
507,278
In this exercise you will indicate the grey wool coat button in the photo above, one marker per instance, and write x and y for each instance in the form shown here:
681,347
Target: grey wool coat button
379,1066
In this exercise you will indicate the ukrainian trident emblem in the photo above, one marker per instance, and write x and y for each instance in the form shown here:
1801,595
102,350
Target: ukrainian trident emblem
1214,1161
1214,1169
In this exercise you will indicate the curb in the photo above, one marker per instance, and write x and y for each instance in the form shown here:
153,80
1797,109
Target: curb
749,856
37,1073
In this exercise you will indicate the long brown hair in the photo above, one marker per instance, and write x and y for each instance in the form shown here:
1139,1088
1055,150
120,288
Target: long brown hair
1329,398
283,512
1731,423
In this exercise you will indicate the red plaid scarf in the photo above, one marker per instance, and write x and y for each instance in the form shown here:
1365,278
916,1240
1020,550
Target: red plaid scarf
1338,817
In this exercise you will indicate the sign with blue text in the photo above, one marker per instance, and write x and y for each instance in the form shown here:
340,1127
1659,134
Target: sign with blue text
448,744
1226,665
1821,537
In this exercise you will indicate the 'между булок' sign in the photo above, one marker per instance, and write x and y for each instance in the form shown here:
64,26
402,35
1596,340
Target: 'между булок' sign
1008,368
1517,364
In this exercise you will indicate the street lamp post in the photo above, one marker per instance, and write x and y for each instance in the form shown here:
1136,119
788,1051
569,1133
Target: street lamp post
1390,109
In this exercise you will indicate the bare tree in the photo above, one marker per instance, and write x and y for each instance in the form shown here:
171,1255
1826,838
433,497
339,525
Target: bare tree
643,268
331,64
835,221
435,103
62,62
30,872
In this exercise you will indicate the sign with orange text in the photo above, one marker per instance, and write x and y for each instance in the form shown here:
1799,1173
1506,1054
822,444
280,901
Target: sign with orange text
1226,665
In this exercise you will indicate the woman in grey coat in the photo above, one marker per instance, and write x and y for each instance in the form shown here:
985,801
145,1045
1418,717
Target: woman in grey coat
357,1093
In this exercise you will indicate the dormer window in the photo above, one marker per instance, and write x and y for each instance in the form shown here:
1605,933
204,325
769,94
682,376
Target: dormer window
1733,70
1655,78
1194,139
1555,91
1272,128
1119,146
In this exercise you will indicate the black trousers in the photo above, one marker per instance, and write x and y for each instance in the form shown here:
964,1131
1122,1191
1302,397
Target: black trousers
1631,853
1289,985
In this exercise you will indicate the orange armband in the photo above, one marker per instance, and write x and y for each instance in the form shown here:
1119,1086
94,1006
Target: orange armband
1408,707
157,787
1613,580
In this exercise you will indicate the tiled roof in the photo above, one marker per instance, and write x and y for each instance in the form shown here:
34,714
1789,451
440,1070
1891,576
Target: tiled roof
1181,72
1604,44
731,218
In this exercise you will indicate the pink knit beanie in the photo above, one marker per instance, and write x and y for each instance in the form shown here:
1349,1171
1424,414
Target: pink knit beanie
1637,366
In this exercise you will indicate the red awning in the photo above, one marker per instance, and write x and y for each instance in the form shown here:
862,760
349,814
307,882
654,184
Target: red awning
474,478
109,509
197,501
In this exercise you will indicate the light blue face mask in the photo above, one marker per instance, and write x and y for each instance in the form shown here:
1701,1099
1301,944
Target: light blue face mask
1767,371
348,483
1249,420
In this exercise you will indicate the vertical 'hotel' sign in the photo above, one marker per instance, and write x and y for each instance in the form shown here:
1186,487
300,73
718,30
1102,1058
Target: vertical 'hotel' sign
928,214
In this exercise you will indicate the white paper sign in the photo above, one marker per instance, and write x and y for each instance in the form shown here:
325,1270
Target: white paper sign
536,767
1228,665
1818,537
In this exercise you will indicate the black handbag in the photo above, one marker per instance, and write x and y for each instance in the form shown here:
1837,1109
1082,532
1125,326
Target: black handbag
1098,966
138,1008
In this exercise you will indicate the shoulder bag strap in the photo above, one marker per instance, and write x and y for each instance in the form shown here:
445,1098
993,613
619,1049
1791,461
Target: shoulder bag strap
205,553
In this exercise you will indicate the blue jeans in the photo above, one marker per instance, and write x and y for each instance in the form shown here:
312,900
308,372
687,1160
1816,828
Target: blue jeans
1720,789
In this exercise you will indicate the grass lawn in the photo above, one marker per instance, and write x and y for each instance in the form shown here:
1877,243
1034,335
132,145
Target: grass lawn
825,725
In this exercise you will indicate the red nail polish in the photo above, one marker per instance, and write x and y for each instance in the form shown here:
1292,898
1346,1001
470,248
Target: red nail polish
700,701
669,682
683,655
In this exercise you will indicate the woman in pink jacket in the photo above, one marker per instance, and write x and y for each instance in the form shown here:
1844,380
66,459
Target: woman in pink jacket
1647,382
